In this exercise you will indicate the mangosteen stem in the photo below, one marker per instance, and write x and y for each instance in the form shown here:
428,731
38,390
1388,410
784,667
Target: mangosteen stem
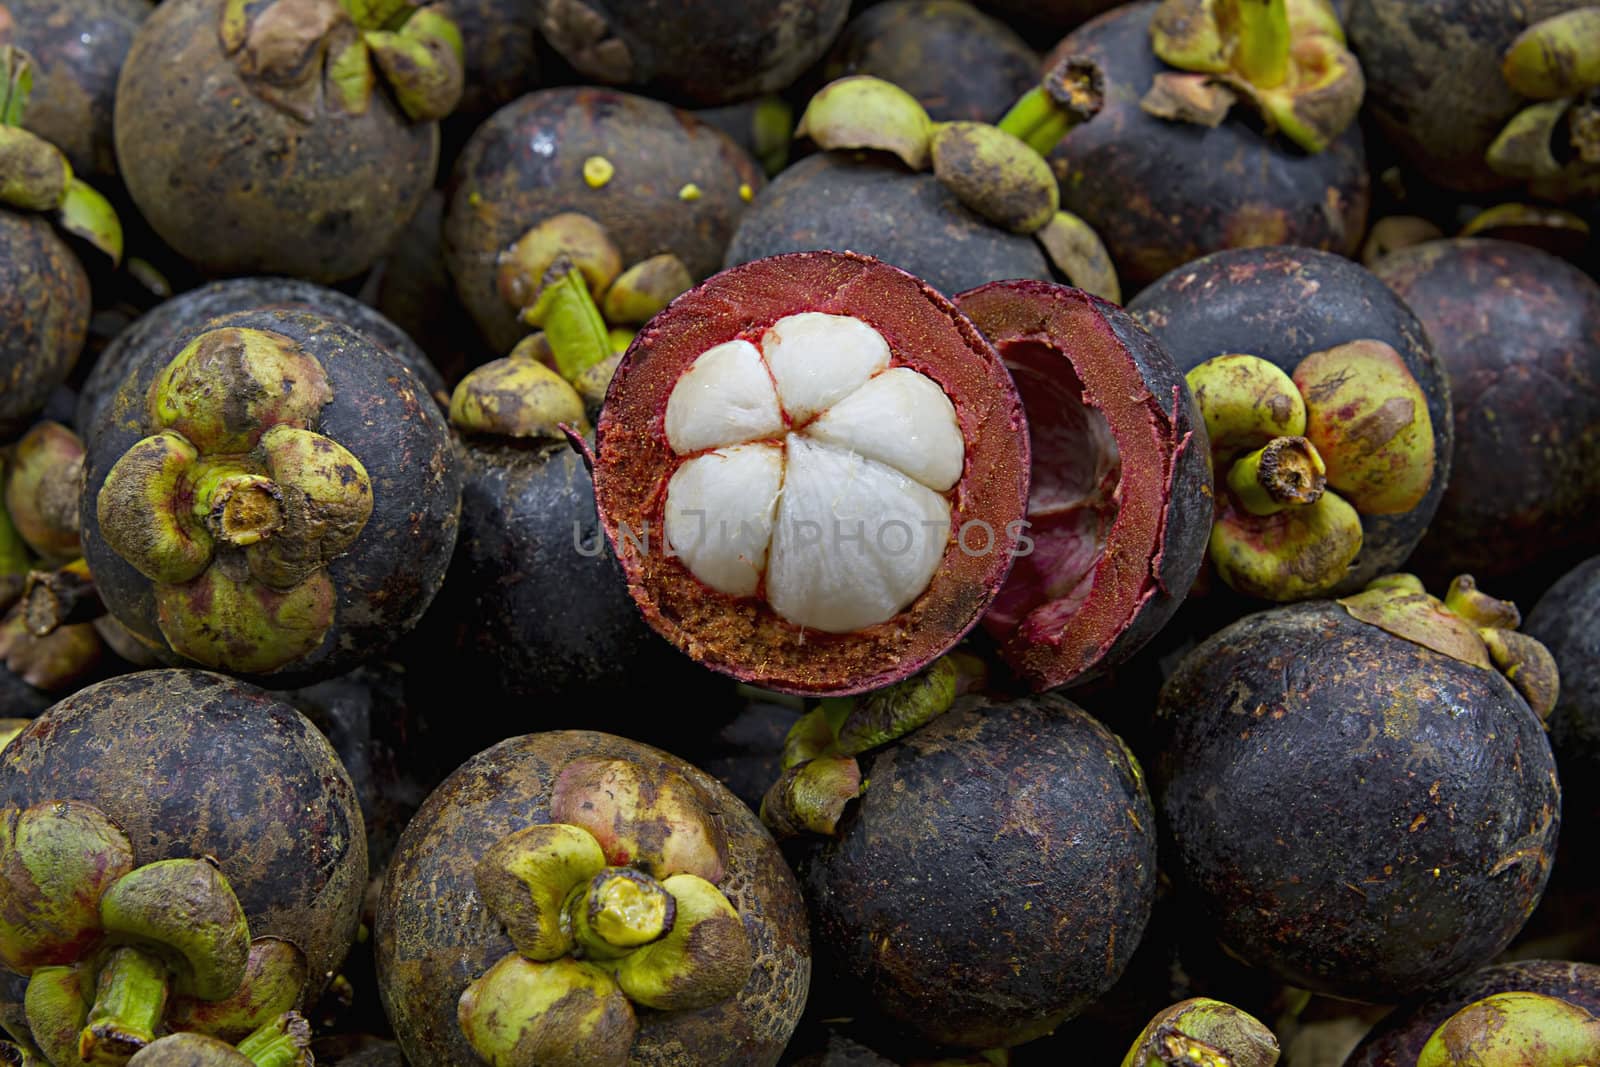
617,911
1287,472
16,84
283,1042
238,505
1263,46
566,313
1071,94
58,598
130,1000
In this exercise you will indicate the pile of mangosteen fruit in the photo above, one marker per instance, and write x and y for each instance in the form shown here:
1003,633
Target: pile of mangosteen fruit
574,533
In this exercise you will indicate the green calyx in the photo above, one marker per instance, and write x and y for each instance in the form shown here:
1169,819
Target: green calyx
1080,255
1466,625
1294,554
651,818
582,240
41,489
572,325
1070,94
49,663
130,999
861,111
34,173
234,505
508,1015
16,84
995,174
1526,148
56,862
526,878
1515,1030
1556,57
281,1042
810,798
644,289
423,61
1203,1033
516,397
62,597
618,910
284,1041
56,1006
1287,57
1284,473
275,976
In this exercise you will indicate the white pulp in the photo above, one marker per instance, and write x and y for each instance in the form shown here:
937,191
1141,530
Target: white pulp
815,465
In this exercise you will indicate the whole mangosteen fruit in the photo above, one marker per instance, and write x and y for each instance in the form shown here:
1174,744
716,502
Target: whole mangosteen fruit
1163,191
199,775
1518,332
1566,620
1330,414
273,495
1358,799
288,137
472,945
1120,498
813,470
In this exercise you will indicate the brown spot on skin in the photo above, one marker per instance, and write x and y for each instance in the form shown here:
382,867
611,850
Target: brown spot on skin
1378,428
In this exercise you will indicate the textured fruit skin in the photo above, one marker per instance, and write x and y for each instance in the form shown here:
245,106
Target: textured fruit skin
993,879
387,578
869,203
77,49
1566,620
525,163
501,57
1518,332
434,936
44,316
1433,77
1283,304
151,336
239,187
1163,193
191,764
1357,814
1397,1039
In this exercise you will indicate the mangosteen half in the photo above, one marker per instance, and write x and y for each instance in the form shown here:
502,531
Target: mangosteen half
607,878
1358,799
814,472
273,495
1119,508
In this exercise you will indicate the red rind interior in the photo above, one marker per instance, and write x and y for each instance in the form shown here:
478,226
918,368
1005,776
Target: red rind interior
744,637
1098,526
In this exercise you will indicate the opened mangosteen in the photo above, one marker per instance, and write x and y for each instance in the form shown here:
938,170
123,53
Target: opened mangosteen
1360,794
273,495
1119,508
705,51
210,862
1328,415
285,136
576,897
1167,177
813,470
654,179
1518,333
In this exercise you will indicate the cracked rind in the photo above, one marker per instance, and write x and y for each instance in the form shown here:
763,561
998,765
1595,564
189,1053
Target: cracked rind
1283,304
991,828
1164,518
746,638
44,316
1391,814
387,578
194,764
433,934
1160,193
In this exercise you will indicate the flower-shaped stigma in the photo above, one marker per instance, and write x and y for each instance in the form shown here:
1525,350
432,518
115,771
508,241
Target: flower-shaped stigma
601,921
235,505
814,474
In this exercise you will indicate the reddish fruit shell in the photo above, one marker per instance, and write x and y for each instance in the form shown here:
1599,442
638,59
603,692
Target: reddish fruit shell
743,637
1157,540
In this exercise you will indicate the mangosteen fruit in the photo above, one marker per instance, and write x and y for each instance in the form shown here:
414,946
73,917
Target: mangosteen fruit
1119,507
702,51
654,178
166,786
1360,795
1168,186
151,336
1518,332
287,137
995,874
813,470
602,876
272,495
1328,415
1566,620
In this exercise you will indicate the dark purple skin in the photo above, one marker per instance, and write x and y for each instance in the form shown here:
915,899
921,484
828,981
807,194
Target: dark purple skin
379,411
191,764
1283,304
1567,621
1433,77
1518,331
414,291
44,316
1397,1040
1162,193
434,936
151,336
959,63
1356,814
869,203
1063,13
1013,833
746,755
501,58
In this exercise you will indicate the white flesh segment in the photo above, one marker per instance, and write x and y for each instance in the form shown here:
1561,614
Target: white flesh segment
901,418
719,514
725,398
856,541
818,360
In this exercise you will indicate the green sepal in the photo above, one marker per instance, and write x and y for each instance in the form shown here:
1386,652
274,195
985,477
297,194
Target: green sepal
423,62
351,77
85,213
378,14
33,173
566,313
1515,1030
16,84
